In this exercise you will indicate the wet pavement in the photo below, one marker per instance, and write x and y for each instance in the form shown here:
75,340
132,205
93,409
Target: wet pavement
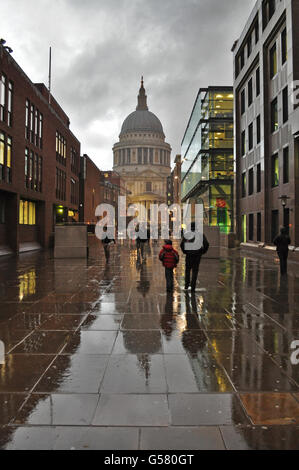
100,357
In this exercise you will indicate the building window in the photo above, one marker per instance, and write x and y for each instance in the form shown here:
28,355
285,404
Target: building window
284,46
286,176
285,105
250,182
249,45
2,97
9,104
148,186
27,212
5,157
244,184
145,156
258,227
27,120
258,81
60,148
250,228
243,143
151,156
258,129
268,11
74,192
244,228
275,171
243,101
256,32
250,136
273,61
250,94
74,161
258,178
274,116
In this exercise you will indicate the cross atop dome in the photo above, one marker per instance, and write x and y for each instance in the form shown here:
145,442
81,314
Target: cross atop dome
142,98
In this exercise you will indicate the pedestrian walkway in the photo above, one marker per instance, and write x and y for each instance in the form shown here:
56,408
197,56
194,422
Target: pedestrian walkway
101,357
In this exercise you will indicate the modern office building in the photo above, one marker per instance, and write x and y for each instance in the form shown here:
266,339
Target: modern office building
207,169
39,161
266,71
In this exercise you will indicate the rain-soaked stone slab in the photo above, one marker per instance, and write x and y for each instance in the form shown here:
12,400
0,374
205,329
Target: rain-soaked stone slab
96,438
185,341
132,410
139,373
206,409
79,373
22,371
181,438
260,373
62,322
102,322
28,438
11,337
260,437
189,375
271,408
9,406
58,409
135,342
141,322
43,342
91,342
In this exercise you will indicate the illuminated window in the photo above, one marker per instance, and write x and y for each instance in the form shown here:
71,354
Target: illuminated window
273,61
27,212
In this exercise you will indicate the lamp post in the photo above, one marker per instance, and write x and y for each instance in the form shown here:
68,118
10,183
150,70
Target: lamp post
284,200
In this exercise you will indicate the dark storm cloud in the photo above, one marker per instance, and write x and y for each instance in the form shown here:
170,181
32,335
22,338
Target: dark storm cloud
102,47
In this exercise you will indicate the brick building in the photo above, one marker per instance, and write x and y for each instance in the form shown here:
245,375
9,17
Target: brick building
266,69
39,161
90,190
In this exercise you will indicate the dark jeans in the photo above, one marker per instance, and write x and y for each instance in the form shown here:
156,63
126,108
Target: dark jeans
283,257
169,279
192,264
107,252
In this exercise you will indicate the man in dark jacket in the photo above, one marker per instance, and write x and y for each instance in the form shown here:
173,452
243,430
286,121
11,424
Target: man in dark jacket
193,257
170,258
282,243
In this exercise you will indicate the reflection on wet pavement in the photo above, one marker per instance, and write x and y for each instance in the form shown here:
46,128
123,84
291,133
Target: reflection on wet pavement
101,357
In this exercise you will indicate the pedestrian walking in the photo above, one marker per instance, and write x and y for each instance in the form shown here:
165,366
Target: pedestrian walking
193,257
170,258
282,243
106,242
141,239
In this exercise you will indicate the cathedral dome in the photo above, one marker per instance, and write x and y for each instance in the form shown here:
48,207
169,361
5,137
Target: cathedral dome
142,120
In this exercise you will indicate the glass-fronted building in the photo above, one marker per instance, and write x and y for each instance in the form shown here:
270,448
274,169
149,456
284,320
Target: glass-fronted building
207,170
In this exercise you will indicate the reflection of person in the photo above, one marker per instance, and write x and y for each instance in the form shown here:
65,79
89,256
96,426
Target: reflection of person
282,243
193,258
170,258
106,242
141,239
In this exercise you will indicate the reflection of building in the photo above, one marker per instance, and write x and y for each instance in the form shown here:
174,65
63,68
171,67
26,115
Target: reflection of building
39,161
266,58
207,169
142,157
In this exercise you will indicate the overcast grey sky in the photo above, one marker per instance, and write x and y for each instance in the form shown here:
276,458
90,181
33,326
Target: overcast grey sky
100,49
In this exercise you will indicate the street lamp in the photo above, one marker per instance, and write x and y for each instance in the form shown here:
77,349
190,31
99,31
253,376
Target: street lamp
284,199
